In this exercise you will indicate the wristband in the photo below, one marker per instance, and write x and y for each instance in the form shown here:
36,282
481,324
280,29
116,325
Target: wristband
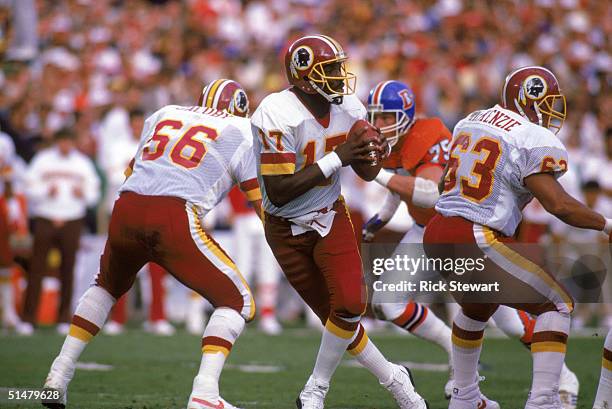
384,177
329,164
608,226
425,193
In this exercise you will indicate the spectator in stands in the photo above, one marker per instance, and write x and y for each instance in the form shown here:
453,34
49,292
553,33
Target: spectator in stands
61,183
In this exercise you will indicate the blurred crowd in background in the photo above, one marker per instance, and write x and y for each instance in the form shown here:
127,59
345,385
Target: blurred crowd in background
99,67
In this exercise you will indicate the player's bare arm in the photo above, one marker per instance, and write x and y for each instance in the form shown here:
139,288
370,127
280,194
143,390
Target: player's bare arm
559,203
281,189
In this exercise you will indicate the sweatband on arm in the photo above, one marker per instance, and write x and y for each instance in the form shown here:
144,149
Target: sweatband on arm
329,164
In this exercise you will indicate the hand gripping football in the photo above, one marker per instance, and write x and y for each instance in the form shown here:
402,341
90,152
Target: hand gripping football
362,130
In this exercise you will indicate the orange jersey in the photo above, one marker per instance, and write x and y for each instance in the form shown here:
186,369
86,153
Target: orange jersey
426,144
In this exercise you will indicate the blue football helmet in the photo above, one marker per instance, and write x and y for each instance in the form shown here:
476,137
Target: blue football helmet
392,96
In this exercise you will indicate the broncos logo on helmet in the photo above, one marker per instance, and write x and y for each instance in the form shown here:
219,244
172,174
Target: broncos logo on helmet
392,97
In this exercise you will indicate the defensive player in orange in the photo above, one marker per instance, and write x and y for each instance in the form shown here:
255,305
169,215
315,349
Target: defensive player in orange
411,173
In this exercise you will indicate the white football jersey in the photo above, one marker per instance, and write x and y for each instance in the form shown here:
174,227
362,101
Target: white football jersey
493,151
194,153
287,138
7,158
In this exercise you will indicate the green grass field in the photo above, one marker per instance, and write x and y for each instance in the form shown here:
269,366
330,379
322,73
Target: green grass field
156,372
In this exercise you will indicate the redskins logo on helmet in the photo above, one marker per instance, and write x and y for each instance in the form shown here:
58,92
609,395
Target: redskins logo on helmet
302,58
534,88
316,64
534,93
225,95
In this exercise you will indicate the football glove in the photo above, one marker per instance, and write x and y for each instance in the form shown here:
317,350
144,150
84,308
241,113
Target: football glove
371,227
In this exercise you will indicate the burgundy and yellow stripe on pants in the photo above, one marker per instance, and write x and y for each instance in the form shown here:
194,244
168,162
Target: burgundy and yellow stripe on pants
82,329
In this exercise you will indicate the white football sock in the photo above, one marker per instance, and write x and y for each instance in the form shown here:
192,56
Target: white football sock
334,342
91,313
603,399
368,355
548,347
433,329
224,327
467,338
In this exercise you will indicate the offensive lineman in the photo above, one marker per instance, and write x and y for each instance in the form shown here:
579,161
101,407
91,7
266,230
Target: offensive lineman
411,173
500,159
300,138
187,161
253,253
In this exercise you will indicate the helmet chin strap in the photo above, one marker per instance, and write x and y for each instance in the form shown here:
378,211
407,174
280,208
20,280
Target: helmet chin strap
537,110
332,99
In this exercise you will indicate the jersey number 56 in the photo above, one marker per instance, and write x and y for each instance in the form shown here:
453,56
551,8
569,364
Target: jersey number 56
187,151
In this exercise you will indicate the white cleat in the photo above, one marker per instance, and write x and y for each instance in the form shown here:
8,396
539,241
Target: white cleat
196,402
448,387
401,387
25,329
270,326
113,328
62,328
470,397
568,389
10,319
59,377
313,395
161,327
549,400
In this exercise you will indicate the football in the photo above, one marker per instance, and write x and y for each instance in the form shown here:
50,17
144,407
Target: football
363,130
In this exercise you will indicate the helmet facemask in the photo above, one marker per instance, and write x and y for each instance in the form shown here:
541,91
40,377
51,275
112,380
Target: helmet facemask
552,111
334,85
400,127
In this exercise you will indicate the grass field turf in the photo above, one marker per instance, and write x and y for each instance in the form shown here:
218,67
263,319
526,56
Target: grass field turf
156,372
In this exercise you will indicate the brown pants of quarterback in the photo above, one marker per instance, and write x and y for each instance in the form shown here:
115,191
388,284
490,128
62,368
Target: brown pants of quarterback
325,271
526,285
166,231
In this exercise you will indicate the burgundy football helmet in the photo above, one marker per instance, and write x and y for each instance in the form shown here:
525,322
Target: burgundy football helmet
534,93
225,95
316,64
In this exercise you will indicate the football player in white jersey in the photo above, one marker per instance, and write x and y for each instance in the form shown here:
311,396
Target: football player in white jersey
500,159
252,254
300,139
7,154
187,161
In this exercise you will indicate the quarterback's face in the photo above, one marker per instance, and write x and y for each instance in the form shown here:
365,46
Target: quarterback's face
384,119
335,70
